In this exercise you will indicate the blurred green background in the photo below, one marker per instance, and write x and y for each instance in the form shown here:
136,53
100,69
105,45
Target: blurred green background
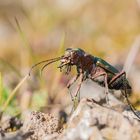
107,29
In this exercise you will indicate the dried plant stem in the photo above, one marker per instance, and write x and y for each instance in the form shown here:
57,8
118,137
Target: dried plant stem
132,55
138,2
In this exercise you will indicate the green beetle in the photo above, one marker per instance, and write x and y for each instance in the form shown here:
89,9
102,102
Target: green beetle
94,68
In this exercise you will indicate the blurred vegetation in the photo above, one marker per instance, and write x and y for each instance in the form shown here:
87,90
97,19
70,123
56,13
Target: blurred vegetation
44,28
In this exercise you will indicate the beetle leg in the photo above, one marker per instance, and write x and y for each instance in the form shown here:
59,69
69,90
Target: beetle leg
117,76
71,82
79,85
105,82
77,99
106,89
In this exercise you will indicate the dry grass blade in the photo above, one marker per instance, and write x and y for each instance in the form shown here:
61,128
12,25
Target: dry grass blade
21,33
132,55
62,44
138,2
13,93
24,39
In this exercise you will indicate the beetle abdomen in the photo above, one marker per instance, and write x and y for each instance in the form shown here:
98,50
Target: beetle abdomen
120,84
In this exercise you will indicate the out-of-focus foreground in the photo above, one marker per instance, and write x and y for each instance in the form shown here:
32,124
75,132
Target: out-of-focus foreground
108,29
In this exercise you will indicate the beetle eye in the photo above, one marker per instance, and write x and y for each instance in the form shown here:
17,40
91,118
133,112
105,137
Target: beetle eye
67,54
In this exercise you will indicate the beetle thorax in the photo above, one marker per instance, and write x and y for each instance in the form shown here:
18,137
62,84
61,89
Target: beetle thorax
76,58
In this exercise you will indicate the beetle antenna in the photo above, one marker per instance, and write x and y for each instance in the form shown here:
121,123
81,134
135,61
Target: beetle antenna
48,64
52,60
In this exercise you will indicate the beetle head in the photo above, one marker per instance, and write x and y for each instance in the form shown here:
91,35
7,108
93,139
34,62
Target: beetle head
71,57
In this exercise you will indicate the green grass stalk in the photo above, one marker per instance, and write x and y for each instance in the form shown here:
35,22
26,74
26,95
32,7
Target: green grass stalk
1,87
13,93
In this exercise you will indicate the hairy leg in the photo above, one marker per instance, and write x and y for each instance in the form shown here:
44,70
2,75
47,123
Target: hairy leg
105,82
76,98
72,82
79,84
117,76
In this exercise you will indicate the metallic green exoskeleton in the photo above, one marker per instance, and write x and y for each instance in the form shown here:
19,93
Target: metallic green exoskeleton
115,79
94,68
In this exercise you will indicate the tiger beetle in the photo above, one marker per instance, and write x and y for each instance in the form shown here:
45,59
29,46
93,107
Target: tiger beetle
94,68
